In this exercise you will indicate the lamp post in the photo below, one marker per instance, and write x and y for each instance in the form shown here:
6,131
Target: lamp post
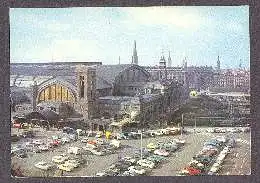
140,132
195,125
181,123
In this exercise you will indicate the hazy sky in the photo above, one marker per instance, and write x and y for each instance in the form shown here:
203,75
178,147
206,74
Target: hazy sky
104,34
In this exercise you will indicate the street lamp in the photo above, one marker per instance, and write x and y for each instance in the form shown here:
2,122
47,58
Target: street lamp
181,123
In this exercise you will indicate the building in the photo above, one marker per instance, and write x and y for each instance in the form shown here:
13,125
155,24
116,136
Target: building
135,57
87,90
232,80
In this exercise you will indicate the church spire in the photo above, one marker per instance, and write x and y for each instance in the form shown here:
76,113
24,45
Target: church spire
218,64
169,60
135,57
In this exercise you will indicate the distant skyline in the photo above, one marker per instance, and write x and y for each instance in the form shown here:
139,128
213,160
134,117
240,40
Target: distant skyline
104,34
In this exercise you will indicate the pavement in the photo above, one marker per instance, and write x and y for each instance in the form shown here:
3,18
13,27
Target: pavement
238,162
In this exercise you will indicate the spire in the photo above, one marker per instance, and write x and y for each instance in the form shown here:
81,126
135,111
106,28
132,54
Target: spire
169,60
218,64
162,62
184,63
119,60
240,64
135,57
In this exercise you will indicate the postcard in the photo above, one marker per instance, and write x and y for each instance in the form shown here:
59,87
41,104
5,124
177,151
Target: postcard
130,91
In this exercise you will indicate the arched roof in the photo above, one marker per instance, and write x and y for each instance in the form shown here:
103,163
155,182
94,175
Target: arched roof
110,72
59,80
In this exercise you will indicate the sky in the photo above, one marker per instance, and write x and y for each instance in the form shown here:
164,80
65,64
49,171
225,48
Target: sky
104,34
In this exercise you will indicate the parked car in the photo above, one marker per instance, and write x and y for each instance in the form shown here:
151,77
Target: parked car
65,140
115,143
156,158
129,159
161,152
192,171
36,149
137,169
99,134
28,134
43,165
43,147
152,146
74,150
21,153
84,140
68,130
38,142
101,174
59,159
15,138
146,163
99,153
128,173
121,136
73,163
66,167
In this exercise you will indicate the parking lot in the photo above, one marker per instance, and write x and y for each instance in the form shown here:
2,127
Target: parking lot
237,162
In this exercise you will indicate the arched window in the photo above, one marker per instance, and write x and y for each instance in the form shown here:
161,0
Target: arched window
56,92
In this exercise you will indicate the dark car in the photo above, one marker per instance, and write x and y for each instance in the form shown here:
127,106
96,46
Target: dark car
120,166
27,134
21,154
15,138
203,159
69,130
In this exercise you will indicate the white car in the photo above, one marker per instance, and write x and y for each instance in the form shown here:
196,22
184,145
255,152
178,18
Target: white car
65,140
43,165
210,130
95,152
137,169
74,150
158,133
146,163
66,167
38,142
115,143
101,174
99,135
73,163
221,139
43,147
161,152
179,141
59,159
129,159
84,140
100,141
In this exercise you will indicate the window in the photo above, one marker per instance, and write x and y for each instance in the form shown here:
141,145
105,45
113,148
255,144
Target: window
55,92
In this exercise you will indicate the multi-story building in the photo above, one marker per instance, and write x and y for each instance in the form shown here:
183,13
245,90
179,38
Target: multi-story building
232,80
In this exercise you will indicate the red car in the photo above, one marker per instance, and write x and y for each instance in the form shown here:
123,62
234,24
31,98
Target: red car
55,142
193,171
17,125
92,142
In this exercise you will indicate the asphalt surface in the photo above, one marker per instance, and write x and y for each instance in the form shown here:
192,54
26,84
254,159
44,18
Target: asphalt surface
238,162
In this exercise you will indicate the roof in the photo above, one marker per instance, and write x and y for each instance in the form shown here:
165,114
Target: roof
109,72
18,96
49,114
24,74
119,99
